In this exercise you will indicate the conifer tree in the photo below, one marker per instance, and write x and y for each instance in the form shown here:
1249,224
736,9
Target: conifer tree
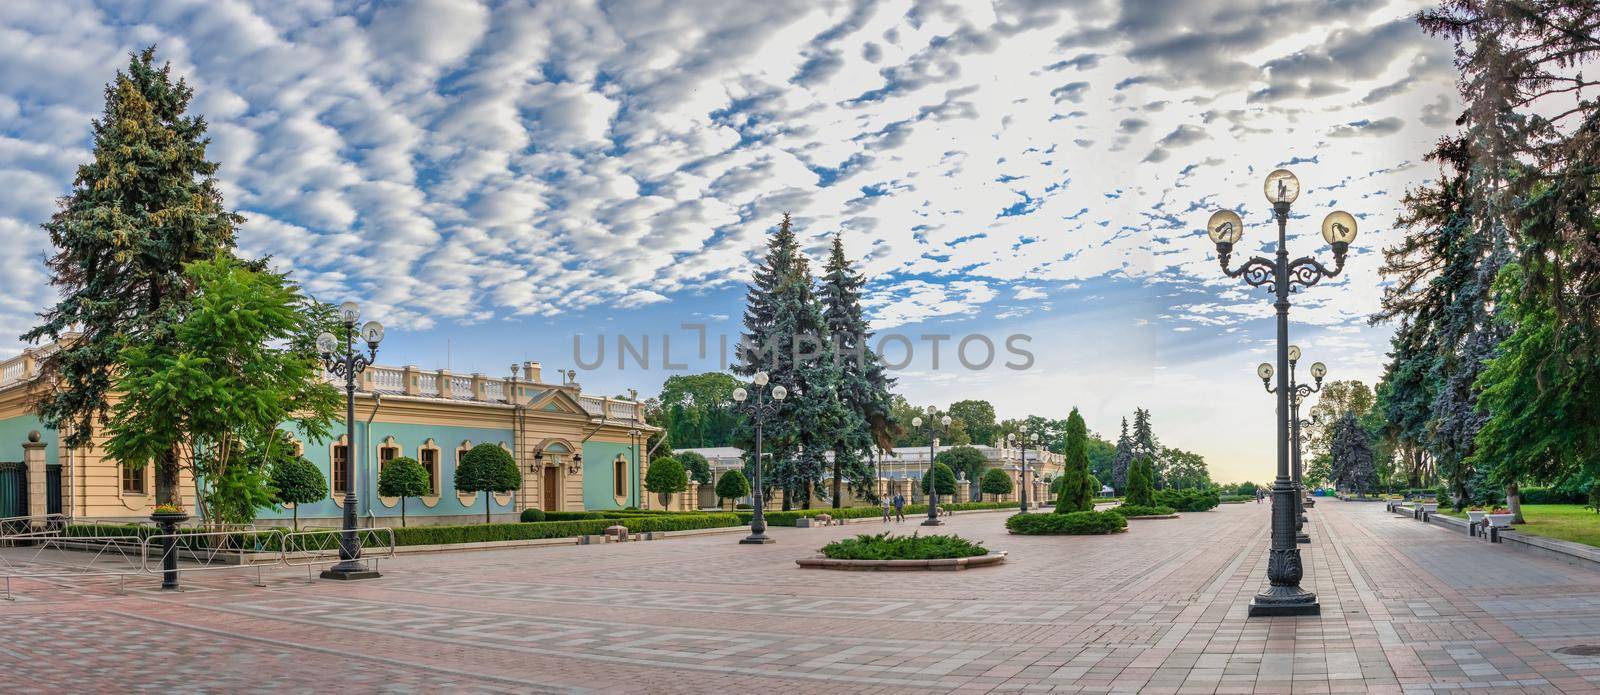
862,382
1077,492
1141,486
145,205
1124,459
1145,445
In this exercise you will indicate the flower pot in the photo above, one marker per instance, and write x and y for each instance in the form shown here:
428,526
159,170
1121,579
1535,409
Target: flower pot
1476,516
1430,507
1500,520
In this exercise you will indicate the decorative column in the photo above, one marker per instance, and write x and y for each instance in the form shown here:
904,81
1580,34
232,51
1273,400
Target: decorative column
33,458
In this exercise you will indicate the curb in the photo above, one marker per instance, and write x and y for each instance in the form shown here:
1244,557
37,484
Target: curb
943,565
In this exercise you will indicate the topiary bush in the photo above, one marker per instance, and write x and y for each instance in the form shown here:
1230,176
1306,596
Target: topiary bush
1189,500
666,477
403,477
913,547
1127,510
1070,524
943,478
995,482
530,515
488,468
732,486
297,481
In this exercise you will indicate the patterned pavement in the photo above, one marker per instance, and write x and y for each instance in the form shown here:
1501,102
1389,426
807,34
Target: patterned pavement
1407,607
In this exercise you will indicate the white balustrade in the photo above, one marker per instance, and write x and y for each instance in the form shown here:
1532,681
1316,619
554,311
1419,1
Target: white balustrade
388,379
494,390
461,387
428,383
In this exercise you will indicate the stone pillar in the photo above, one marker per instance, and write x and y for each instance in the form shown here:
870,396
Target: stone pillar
409,377
33,457
479,387
444,385
963,492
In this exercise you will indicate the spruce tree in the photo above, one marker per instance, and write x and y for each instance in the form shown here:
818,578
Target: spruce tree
1141,484
1145,445
862,382
145,205
1124,459
1077,493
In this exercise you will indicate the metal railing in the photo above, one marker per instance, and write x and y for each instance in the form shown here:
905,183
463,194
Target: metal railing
312,548
35,525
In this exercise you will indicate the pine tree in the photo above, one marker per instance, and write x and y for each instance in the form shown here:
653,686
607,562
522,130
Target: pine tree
1077,492
1124,459
1141,486
862,382
1353,467
146,205
1145,445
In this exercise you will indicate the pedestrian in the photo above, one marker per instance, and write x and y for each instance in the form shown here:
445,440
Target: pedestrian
1259,495
899,507
885,502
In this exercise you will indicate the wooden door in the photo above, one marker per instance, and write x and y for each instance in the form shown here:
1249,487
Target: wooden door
552,490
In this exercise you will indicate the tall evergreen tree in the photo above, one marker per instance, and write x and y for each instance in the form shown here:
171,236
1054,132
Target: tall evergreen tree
1124,459
1352,456
1146,446
862,383
145,205
1077,491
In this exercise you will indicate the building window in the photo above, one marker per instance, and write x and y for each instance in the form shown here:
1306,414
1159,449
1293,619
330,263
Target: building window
429,458
387,453
619,476
341,471
132,480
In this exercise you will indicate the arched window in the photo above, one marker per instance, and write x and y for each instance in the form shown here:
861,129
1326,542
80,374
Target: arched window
428,456
339,457
619,476
387,451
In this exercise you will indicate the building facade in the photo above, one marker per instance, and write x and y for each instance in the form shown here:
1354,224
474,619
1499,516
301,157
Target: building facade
575,451
901,468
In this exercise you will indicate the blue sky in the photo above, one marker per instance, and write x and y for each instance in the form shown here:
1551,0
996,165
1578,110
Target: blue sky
493,178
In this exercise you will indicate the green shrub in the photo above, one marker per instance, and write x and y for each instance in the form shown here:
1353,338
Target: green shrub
1141,483
1070,524
779,518
532,514
995,482
732,486
488,468
297,481
1076,491
403,477
913,547
1230,499
1549,495
1188,500
942,477
665,478
1127,510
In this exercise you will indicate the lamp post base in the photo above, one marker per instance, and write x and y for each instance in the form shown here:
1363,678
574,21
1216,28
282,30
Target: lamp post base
346,573
932,522
1285,600
1302,537
757,539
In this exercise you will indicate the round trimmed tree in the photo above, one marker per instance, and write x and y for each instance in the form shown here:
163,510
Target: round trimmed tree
403,477
943,478
995,482
732,486
488,468
297,482
698,468
665,477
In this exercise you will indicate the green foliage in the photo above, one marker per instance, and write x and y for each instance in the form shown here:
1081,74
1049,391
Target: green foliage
146,205
295,480
221,381
943,478
732,486
1076,493
1071,524
1184,469
964,460
532,514
403,477
665,477
488,468
978,417
995,482
697,410
886,547
698,468
1188,500
1128,510
1141,484
788,518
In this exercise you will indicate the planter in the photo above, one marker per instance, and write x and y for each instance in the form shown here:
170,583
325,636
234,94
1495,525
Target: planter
1476,516
1499,520
943,565
1429,507
168,522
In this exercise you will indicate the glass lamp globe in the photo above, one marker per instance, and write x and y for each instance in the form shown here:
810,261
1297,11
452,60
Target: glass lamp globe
931,410
1225,227
945,421
739,394
762,379
373,332
1281,186
350,312
1035,438
1264,370
779,392
1318,370
1012,438
1339,228
916,421
327,343
1294,353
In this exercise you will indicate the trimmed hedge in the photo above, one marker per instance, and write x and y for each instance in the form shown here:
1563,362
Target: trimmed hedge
1190,500
532,514
1550,495
1127,510
886,547
782,518
1070,524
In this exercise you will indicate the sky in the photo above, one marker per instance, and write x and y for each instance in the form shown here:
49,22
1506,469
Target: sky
509,181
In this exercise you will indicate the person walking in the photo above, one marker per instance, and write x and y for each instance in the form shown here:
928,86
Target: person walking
899,507
885,502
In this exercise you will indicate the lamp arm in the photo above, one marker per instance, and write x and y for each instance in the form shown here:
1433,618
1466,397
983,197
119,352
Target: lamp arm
1308,271
1257,271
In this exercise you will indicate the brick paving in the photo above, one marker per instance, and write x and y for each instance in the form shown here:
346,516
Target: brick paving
1407,608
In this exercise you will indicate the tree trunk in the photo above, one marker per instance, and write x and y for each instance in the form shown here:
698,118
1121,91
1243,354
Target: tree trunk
488,504
1514,501
297,518
836,467
402,512
167,479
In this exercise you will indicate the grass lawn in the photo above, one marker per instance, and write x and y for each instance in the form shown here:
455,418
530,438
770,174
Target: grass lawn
1568,522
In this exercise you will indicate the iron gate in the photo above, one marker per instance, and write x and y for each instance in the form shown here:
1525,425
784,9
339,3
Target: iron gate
13,489
52,489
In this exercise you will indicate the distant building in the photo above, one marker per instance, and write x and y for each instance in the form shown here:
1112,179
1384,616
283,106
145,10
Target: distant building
575,451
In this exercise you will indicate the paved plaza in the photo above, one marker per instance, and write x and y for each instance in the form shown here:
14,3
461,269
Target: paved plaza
1407,607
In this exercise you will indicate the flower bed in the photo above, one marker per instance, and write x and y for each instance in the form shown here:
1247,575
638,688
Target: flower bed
1072,524
884,546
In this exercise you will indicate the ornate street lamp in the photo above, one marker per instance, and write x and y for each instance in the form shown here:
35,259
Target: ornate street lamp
759,408
341,358
933,486
1297,392
1014,439
1281,275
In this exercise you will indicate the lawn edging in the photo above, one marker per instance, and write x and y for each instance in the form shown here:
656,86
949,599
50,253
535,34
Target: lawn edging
942,565
1566,551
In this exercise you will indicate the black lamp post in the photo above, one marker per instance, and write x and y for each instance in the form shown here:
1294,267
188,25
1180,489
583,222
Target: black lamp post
933,485
1308,501
759,409
341,358
1297,393
1024,440
1280,275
